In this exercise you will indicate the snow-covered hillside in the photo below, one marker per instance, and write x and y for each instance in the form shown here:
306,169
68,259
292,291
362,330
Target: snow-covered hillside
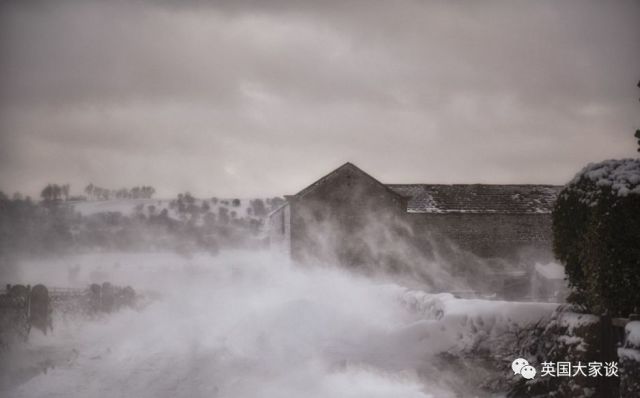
124,206
250,325
128,206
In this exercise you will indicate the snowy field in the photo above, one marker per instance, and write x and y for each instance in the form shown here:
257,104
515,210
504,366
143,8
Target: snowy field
250,325
127,207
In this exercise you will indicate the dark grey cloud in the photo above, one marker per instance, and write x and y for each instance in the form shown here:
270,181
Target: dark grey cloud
260,97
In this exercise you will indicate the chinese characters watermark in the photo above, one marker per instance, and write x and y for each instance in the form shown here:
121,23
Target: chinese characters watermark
565,369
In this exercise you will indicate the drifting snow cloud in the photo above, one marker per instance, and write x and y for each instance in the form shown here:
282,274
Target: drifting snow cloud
250,325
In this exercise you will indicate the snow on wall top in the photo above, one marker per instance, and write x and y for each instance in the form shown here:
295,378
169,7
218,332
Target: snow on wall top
478,198
622,175
632,331
550,270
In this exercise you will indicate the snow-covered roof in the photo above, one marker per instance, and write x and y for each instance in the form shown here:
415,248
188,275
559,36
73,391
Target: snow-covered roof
460,198
478,198
277,209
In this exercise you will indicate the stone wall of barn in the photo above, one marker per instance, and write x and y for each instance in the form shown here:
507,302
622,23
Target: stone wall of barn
334,221
510,236
280,230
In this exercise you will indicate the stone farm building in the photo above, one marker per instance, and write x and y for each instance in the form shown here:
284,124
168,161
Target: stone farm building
342,217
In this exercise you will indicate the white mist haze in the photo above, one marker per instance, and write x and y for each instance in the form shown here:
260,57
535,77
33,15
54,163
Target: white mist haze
381,244
249,324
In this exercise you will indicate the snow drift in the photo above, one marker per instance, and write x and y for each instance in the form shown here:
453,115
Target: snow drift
251,325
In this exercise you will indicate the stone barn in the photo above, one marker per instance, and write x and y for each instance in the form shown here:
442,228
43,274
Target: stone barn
347,214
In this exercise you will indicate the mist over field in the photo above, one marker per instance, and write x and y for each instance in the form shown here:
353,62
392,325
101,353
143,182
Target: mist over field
249,324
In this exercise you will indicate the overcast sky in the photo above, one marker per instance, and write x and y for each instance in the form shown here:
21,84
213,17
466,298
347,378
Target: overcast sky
254,98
